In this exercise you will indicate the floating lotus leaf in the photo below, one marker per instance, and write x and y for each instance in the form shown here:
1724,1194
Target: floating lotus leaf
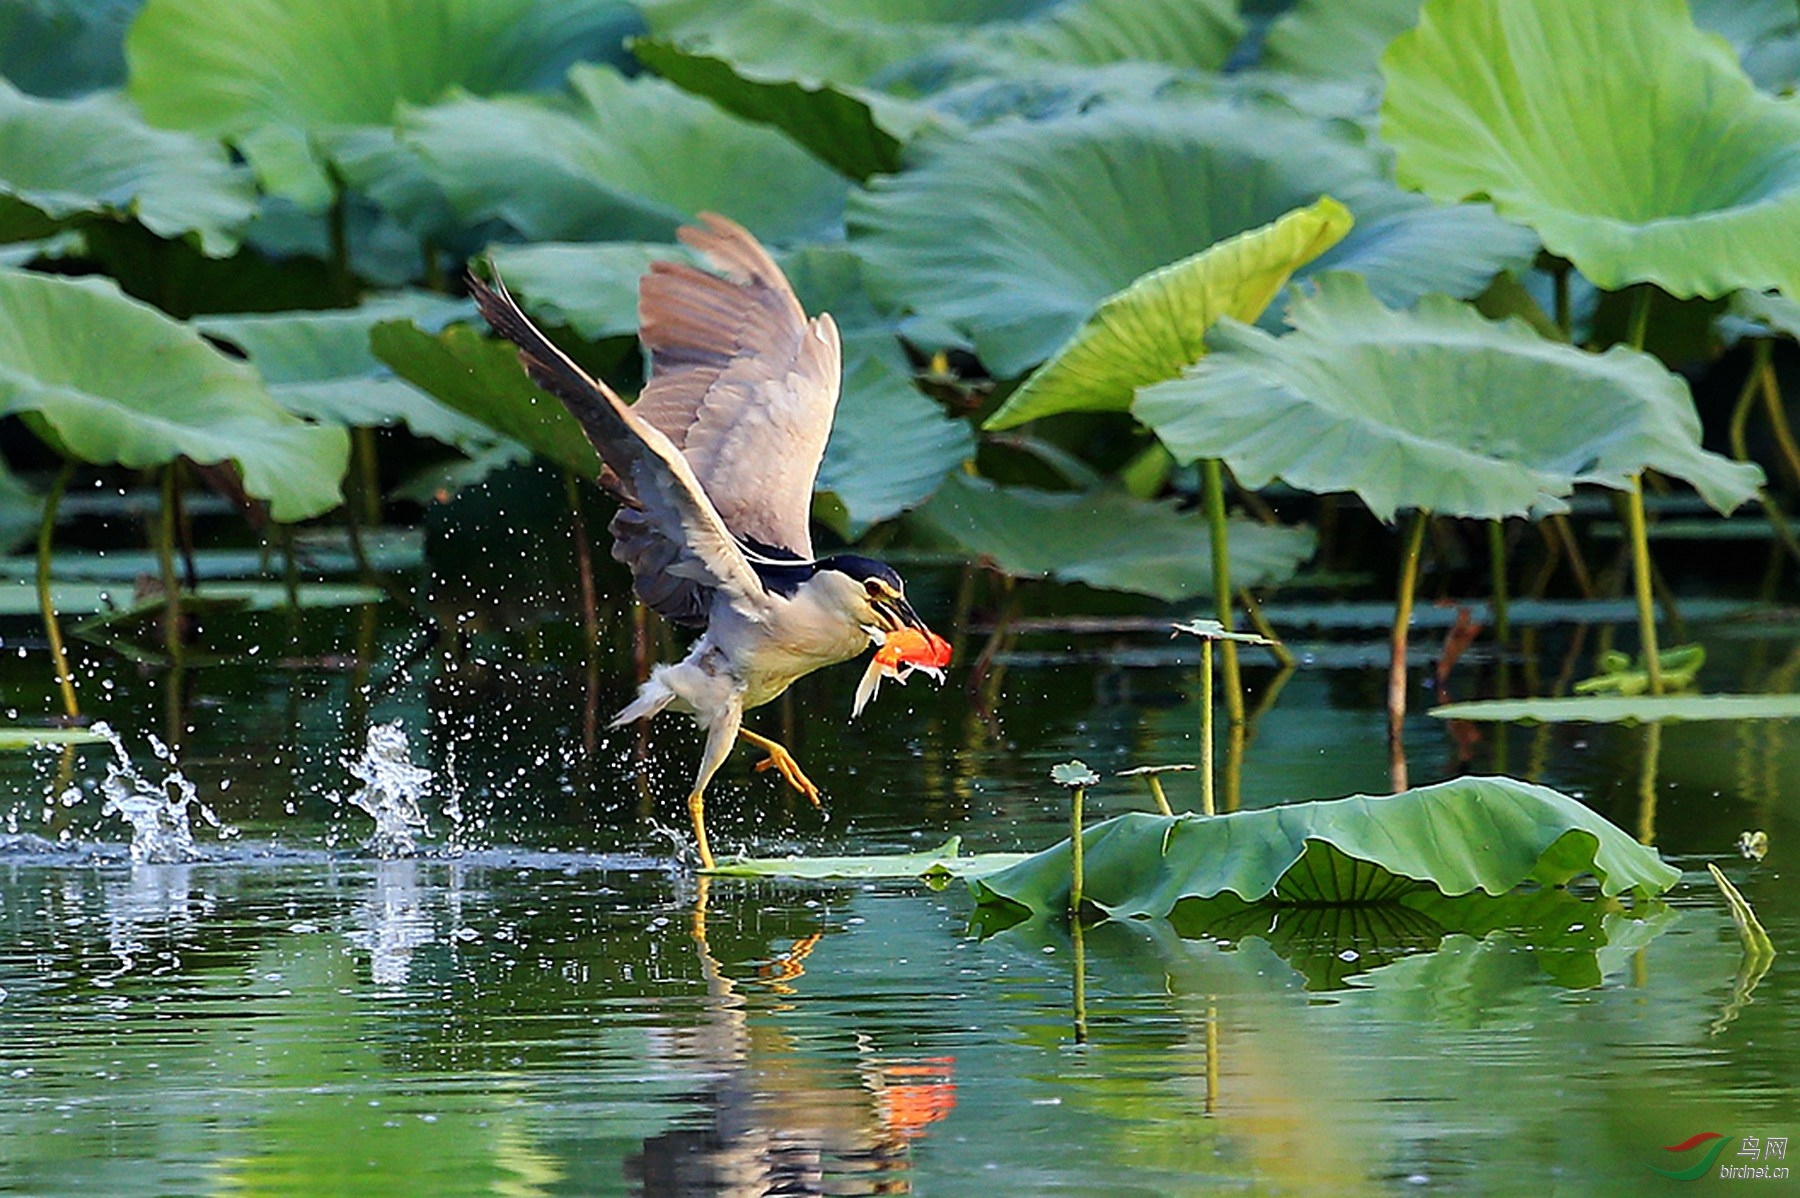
319,365
1624,709
852,42
945,861
1635,145
1470,834
15,739
65,159
1015,233
116,381
632,159
1156,328
1105,539
1436,408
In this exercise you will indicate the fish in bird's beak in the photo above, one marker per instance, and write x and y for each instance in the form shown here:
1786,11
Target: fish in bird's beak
913,647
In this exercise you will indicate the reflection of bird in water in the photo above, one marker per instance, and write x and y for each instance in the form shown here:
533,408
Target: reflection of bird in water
782,1121
715,465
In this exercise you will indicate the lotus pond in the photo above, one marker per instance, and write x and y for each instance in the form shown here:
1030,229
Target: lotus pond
1452,344
539,999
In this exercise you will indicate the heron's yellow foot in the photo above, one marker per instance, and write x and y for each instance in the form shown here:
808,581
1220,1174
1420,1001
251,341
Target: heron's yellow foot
783,761
697,812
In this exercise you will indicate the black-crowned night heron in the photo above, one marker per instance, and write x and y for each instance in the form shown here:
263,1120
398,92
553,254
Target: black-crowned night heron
714,465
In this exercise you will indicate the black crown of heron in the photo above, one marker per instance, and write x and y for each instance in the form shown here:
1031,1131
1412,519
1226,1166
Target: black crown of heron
714,467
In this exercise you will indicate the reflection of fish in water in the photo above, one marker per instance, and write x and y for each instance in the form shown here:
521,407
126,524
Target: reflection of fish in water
778,1121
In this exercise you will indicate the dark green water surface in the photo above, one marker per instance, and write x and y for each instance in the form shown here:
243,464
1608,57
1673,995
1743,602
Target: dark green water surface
545,1001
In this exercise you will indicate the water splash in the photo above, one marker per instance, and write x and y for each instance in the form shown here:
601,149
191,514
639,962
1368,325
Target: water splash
392,787
161,831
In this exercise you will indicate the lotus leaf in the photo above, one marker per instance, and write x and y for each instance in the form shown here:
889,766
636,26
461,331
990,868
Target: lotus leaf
850,42
61,159
945,861
319,365
14,739
73,353
1156,327
1624,709
1015,233
64,47
231,66
840,128
1468,834
1437,408
1105,539
632,159
1635,145
481,379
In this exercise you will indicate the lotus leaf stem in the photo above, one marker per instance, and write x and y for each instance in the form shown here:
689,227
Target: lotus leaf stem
1403,609
1077,879
1740,411
1260,622
1212,473
584,563
65,678
1080,996
1497,560
1778,422
1162,799
1641,581
1639,325
165,560
1564,321
1206,727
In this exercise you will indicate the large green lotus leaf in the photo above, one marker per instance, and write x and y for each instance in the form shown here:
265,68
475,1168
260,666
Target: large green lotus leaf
890,446
632,159
840,128
853,41
481,379
116,381
1105,539
1015,233
1437,408
64,47
1624,709
1469,834
319,365
63,159
1634,144
1327,39
1156,328
229,66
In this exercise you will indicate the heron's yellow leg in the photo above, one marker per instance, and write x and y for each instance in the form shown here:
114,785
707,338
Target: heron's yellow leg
697,812
783,761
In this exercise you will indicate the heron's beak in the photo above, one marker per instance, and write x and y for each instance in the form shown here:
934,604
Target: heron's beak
901,613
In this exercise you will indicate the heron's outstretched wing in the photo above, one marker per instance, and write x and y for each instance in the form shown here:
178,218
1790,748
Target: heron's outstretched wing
741,382
685,549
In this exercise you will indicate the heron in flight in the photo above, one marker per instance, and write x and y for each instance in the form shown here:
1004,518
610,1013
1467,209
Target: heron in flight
714,466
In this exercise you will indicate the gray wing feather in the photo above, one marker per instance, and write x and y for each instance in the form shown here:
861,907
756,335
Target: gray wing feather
741,382
678,547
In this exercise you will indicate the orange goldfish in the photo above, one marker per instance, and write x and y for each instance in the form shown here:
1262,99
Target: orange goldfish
902,652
